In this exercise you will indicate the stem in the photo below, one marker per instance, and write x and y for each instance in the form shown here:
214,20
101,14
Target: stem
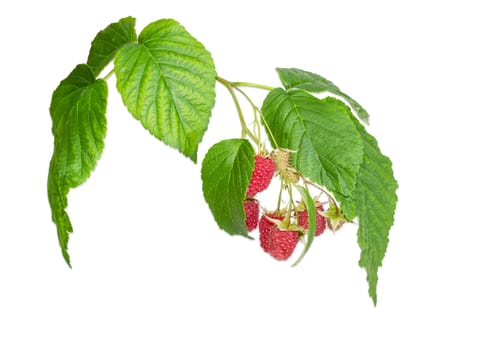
269,131
256,128
291,204
321,189
255,111
253,85
244,127
279,200
250,101
107,77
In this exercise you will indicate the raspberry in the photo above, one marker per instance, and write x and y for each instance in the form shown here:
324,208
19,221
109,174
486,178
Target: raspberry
265,226
261,176
283,243
320,221
252,210
280,244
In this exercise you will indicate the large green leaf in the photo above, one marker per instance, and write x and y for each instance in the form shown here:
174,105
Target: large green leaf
108,41
376,204
297,78
328,148
167,81
226,172
79,126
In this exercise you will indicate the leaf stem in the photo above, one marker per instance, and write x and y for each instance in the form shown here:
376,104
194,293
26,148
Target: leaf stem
321,189
253,85
279,199
269,131
244,128
291,203
107,77
255,107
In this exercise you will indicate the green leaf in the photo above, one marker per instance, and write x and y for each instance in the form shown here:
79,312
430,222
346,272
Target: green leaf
79,126
167,81
226,172
57,197
312,218
376,204
108,41
293,78
328,148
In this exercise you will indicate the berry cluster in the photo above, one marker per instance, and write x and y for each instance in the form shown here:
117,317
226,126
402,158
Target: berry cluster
281,230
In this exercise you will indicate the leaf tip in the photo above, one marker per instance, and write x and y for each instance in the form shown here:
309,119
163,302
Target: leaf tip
67,258
248,237
297,262
374,299
193,157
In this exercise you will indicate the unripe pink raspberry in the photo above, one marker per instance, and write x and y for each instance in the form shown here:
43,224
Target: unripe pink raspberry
320,221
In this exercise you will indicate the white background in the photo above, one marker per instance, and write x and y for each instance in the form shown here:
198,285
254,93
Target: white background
151,268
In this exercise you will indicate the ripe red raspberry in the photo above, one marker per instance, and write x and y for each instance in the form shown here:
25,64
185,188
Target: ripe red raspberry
280,244
252,210
283,243
320,221
261,176
265,226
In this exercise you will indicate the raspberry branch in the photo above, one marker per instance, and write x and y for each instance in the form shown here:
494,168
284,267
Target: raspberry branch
245,131
316,143
253,85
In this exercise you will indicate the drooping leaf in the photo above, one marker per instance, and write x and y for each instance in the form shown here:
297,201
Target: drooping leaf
226,172
79,126
108,41
327,147
57,197
312,224
297,78
167,81
376,204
